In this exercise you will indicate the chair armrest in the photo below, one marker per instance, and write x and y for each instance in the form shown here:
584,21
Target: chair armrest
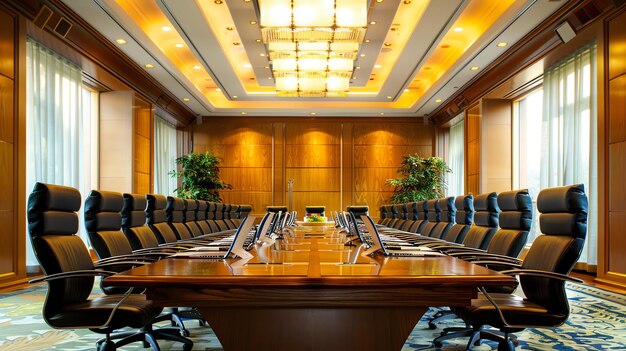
542,274
73,274
498,262
481,255
447,246
133,257
465,251
122,262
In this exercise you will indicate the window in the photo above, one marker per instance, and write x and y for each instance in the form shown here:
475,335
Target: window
164,156
556,132
61,126
455,160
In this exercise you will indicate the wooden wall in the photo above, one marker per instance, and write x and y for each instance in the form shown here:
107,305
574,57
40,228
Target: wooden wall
472,150
612,265
333,162
12,147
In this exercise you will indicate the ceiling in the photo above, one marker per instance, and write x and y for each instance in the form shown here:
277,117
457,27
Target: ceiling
416,53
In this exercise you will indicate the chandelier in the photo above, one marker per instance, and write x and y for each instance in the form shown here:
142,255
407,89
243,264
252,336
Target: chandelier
312,44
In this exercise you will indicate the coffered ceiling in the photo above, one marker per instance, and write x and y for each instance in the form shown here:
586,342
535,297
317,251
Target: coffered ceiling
416,53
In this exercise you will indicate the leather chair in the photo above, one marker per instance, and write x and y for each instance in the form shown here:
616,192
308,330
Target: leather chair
358,210
201,216
219,217
411,216
542,275
433,213
134,223
422,218
156,218
447,216
211,219
244,211
234,213
174,212
383,214
402,215
395,216
189,217
463,219
388,215
69,271
226,216
103,220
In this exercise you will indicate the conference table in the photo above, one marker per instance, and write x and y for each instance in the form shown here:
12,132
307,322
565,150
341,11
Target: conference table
311,292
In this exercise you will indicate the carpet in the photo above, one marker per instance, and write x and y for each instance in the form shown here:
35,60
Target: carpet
597,322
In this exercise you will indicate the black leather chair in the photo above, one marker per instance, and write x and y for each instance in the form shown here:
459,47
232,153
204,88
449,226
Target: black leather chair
103,220
395,216
189,217
69,271
386,210
174,210
463,219
447,216
211,219
542,275
234,213
422,218
244,211
383,214
201,216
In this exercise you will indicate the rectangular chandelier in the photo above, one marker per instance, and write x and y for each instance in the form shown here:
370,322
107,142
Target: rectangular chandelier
313,44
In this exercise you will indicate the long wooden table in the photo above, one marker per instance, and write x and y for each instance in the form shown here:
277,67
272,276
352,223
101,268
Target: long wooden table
311,293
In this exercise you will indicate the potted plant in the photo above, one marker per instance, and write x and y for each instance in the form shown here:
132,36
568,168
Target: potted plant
422,179
200,177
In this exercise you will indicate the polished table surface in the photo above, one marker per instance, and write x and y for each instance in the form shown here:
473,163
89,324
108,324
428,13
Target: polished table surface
311,292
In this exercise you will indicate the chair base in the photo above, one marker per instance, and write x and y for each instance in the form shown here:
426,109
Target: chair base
506,341
146,335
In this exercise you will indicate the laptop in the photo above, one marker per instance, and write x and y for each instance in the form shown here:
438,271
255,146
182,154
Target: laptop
220,252
378,245
262,228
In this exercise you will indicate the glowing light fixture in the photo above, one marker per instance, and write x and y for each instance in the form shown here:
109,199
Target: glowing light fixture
313,44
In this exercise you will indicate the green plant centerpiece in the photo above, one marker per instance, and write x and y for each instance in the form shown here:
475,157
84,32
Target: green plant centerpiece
200,177
422,179
314,217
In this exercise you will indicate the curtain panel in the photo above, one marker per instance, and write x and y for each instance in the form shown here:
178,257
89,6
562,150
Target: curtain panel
164,157
455,160
569,134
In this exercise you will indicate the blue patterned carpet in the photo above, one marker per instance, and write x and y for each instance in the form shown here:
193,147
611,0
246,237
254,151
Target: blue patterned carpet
597,322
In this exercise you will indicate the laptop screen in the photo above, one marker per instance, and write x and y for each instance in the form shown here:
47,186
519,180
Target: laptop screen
241,234
371,228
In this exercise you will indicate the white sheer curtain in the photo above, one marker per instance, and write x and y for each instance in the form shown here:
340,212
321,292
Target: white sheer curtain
58,125
164,156
455,160
569,133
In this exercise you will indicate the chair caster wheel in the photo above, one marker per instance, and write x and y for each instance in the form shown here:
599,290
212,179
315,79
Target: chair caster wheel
506,345
185,333
432,325
187,347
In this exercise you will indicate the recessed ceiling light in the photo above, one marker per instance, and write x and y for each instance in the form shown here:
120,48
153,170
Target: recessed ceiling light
197,67
258,40
166,28
270,78
218,89
244,113
253,22
218,2
474,68
235,96
362,55
372,22
502,44
186,99
387,44
458,29
367,40
406,90
246,0
382,113
267,67
312,113
149,65
379,0
358,67
389,97
230,28
407,2
179,45
247,65
262,54
377,66
353,78
438,100
121,41
236,43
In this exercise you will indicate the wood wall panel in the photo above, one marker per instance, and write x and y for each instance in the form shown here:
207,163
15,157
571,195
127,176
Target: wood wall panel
472,149
386,155
143,151
617,109
8,255
617,170
248,178
334,164
312,155
7,45
315,179
617,46
6,109
142,154
617,242
369,179
7,180
142,183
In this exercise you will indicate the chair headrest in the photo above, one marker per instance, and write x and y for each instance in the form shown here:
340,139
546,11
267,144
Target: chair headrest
190,205
358,208
517,210
448,209
563,211
245,208
486,210
52,210
464,209
103,211
421,210
433,211
155,211
276,208
394,209
202,206
212,206
174,204
226,208
134,210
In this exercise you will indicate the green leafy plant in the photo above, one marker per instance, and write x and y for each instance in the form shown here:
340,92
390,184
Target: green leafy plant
315,218
200,177
422,179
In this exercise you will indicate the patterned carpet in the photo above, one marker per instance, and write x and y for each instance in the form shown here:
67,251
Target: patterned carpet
598,322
